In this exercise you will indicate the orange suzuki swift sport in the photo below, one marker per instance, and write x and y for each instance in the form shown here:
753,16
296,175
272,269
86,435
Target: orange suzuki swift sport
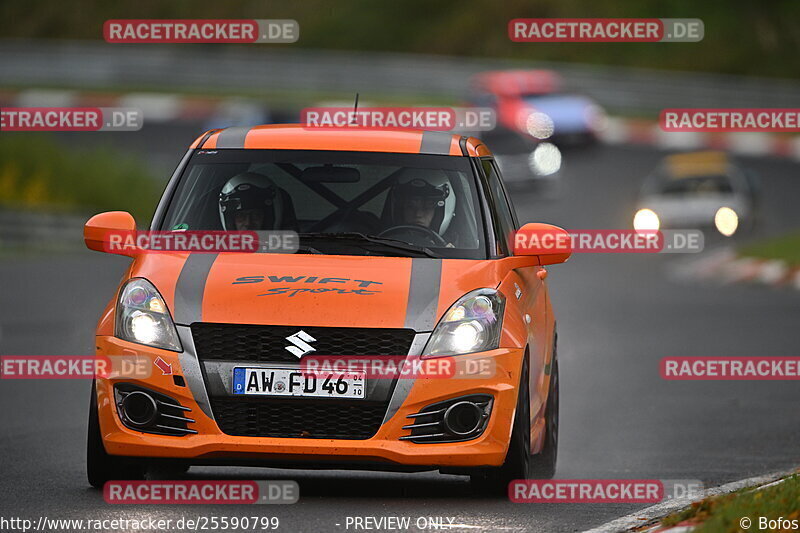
404,251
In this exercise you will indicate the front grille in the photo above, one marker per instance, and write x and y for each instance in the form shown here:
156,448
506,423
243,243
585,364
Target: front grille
243,342
298,418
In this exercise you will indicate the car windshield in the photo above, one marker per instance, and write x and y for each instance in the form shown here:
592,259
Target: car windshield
343,203
550,97
696,185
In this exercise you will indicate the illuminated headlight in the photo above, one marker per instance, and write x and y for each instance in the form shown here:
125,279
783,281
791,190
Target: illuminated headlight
646,220
545,159
472,324
540,125
142,317
726,220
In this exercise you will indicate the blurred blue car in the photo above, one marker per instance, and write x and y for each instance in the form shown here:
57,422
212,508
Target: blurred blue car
532,103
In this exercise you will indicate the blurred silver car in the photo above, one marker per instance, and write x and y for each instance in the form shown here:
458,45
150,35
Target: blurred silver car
697,190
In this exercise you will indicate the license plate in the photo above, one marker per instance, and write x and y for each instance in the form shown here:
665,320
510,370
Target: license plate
293,382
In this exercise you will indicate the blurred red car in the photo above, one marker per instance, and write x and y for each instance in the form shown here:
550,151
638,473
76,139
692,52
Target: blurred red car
533,103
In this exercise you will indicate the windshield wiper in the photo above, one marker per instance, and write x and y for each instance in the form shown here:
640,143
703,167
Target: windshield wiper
301,248
308,249
356,236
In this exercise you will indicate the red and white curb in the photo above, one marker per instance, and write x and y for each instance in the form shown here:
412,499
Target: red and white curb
648,518
637,131
725,266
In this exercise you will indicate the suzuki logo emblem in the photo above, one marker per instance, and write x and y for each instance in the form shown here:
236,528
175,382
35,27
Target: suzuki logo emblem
300,341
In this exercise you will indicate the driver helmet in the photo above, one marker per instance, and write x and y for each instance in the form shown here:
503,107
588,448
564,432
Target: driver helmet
429,185
250,191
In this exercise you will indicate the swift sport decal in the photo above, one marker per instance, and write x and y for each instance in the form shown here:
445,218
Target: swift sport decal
303,279
356,286
292,291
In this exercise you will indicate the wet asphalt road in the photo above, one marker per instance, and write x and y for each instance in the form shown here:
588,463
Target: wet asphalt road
618,315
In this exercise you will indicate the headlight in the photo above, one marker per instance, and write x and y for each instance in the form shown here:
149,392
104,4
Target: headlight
540,125
472,324
545,159
646,220
726,220
142,317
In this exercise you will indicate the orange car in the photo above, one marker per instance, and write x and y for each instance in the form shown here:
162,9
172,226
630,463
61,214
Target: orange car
404,248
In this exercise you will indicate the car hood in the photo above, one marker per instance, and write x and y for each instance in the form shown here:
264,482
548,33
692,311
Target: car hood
313,290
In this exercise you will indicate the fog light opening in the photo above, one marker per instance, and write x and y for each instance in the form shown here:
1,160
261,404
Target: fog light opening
463,418
139,408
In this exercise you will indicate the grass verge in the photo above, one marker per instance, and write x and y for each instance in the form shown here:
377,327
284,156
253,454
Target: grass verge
37,173
785,248
723,513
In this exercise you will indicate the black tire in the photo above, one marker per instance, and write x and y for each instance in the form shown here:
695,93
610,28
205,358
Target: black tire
494,481
520,464
100,466
543,464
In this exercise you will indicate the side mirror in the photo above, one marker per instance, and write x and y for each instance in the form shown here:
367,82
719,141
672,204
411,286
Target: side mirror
549,243
97,229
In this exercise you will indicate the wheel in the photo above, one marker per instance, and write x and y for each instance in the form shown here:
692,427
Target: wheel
543,464
520,464
517,465
100,466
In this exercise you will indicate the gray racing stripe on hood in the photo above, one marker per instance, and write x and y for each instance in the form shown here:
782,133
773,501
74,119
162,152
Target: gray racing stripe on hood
232,137
423,294
423,300
436,142
190,288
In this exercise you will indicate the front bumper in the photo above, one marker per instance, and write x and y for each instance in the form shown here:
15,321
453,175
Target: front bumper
210,445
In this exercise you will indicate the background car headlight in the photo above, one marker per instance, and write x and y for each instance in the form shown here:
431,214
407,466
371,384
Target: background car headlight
646,220
726,220
545,159
142,317
472,324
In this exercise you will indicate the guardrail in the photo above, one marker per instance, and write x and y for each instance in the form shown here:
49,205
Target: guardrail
41,230
250,68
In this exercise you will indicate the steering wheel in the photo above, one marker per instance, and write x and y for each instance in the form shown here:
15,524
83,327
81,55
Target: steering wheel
402,233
